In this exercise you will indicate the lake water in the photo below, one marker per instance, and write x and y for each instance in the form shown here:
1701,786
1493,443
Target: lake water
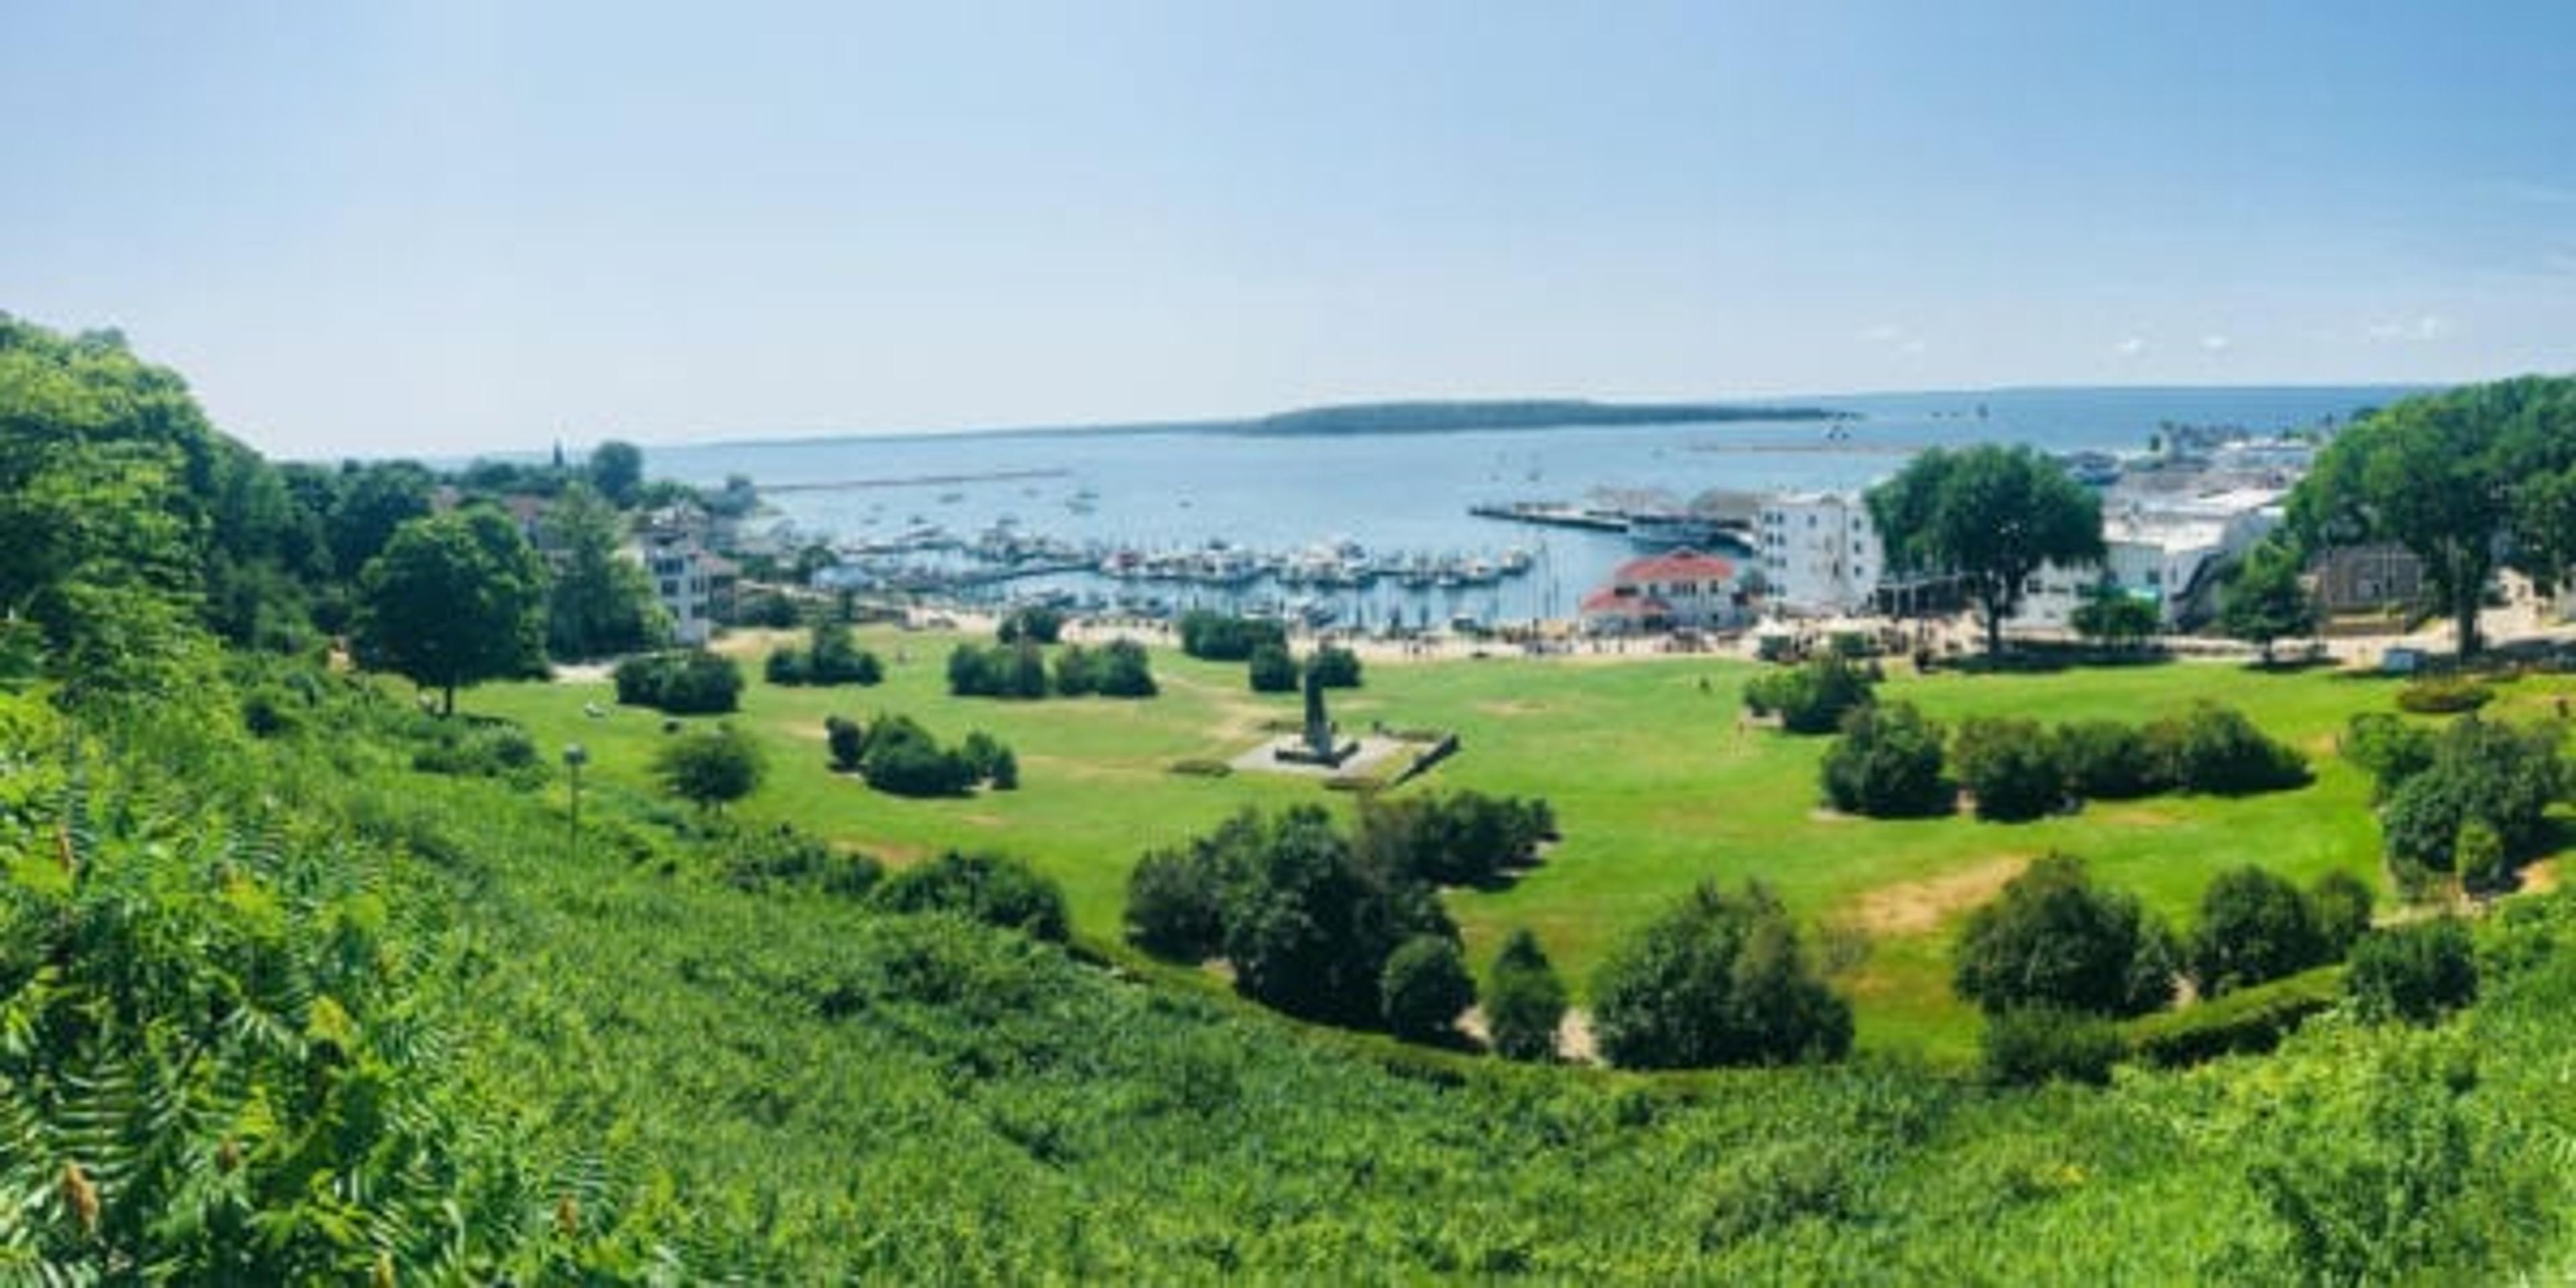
1408,493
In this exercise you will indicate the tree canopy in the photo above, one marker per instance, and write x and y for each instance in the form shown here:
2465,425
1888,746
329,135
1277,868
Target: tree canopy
1991,516
454,600
2263,600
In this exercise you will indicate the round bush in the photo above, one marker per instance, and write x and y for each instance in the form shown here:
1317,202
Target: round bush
2009,765
1425,986
1887,764
2413,973
2034,1044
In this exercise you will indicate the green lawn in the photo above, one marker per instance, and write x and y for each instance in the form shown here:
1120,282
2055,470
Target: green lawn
1653,780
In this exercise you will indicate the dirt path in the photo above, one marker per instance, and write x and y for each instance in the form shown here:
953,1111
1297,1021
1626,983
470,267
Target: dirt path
1919,907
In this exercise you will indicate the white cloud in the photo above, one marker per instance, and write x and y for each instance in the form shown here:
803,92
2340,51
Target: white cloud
2216,343
2131,347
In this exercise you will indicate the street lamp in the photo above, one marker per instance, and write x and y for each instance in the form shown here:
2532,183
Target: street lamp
574,757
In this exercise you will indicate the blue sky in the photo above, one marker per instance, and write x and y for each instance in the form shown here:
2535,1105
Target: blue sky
437,228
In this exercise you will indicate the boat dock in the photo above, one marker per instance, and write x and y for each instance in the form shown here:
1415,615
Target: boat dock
918,480
1552,514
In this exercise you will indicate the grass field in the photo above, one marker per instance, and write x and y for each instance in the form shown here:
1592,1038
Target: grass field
1655,783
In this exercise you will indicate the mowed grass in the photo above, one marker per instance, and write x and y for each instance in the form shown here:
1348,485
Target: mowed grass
1656,783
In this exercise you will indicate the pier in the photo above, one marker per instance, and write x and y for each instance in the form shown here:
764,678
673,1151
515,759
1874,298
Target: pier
1552,514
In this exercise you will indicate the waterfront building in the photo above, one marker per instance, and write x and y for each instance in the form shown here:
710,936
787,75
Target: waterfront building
1680,588
694,584
1819,552
2167,550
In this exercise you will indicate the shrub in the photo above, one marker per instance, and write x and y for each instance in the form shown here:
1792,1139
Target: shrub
1175,906
785,667
2217,751
2107,760
903,759
1004,771
2008,765
1308,926
2494,774
847,741
838,659
2053,939
1887,764
1273,670
1123,670
709,768
1719,979
1217,637
681,683
1462,838
994,889
2341,904
1813,697
2253,927
2442,695
757,859
1335,667
2414,973
2035,1044
1524,1000
1424,987
1036,625
2247,1020
2390,748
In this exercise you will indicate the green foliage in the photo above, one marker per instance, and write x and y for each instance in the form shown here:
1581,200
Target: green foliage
1118,669
1335,667
485,750
2414,973
2497,775
2217,751
2009,764
1176,906
2443,695
2116,619
710,767
2107,760
1273,670
2253,927
2340,903
601,602
1990,515
2029,1045
617,470
683,682
1459,838
900,757
454,600
2246,1021
2389,748
1216,637
2054,939
833,658
846,741
1719,979
994,889
1012,671
1036,625
1524,1000
1813,697
2263,601
1424,988
1308,926
1887,764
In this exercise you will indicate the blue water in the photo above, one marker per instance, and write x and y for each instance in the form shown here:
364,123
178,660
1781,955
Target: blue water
1164,489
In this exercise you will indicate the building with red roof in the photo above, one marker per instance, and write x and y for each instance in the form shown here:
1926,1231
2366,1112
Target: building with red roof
1677,588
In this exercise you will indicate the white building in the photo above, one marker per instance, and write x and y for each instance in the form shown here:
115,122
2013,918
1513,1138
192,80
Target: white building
1680,588
693,584
1819,551
2169,550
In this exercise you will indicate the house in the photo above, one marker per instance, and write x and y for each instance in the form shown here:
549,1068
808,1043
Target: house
1819,552
2169,551
2363,579
694,584
1679,588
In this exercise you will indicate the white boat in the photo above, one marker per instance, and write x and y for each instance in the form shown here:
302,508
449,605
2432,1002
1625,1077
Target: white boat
1666,531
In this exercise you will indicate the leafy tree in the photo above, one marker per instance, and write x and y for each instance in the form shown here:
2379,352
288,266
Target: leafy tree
2263,600
1990,515
1814,696
2340,904
2029,1045
2216,750
1458,838
837,658
1036,625
2054,939
681,682
847,740
1717,980
454,600
1273,669
601,601
1524,1000
2459,478
2496,775
1425,986
1309,927
709,767
995,889
617,470
1887,764
1217,637
2254,926
1335,667
904,759
373,502
2115,618
1175,906
2009,764
2415,973
2391,749
2107,760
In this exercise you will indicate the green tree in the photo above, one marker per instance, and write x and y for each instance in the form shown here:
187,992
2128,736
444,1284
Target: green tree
454,600
2263,601
1308,926
2254,926
2459,478
710,767
1887,764
2116,618
1717,980
601,601
2496,775
372,503
617,469
1273,669
2414,973
992,888
2009,764
2052,938
1813,696
1991,516
1424,988
1524,1000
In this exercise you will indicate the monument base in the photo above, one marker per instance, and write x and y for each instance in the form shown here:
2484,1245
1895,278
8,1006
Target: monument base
1330,756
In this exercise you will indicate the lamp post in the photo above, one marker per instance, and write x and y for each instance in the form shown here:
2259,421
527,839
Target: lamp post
574,757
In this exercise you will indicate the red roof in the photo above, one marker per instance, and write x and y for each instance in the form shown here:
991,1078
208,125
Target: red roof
1676,565
1610,603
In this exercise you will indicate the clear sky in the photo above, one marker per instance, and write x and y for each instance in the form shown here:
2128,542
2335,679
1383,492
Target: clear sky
450,226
